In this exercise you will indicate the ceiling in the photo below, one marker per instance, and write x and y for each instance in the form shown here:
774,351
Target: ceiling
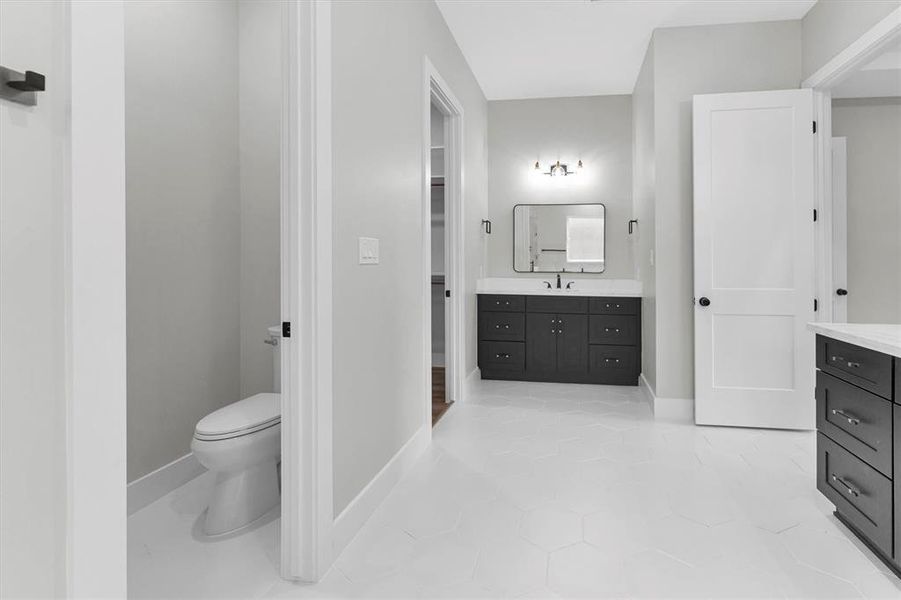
555,48
879,78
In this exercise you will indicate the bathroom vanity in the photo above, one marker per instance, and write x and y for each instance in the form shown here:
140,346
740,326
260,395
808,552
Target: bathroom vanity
858,404
590,334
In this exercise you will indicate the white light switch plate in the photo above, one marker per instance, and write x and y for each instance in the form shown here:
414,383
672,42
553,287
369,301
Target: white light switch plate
369,251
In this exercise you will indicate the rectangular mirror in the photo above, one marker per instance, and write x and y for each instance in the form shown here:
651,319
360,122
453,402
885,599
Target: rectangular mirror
558,238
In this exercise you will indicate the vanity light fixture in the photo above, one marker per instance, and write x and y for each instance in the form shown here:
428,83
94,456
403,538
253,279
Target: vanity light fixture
559,169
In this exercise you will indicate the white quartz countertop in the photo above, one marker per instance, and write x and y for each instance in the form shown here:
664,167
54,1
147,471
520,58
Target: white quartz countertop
881,338
530,286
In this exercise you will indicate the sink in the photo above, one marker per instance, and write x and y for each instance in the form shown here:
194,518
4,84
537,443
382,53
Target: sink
582,286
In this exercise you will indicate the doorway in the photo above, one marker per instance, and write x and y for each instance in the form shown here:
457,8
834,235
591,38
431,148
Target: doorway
442,245
441,401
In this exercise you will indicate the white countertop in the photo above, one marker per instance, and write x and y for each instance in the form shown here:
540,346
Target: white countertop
532,286
881,338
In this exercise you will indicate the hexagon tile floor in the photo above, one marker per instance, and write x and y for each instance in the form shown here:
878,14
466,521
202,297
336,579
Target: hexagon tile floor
553,491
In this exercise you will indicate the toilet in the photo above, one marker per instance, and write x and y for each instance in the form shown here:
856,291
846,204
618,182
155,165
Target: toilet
241,444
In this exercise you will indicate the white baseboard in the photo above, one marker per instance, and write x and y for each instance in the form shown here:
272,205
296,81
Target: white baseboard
668,409
470,385
155,485
352,518
645,386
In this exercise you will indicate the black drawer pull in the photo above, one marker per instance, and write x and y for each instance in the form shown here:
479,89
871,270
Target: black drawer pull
851,489
852,420
838,359
613,360
498,302
502,355
506,326
615,329
854,365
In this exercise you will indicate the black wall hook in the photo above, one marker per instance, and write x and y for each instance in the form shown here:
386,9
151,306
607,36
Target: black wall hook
632,222
33,82
21,87
487,225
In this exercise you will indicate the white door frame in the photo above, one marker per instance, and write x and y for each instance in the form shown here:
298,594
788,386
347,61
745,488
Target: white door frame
307,517
94,201
866,47
839,218
436,91
94,205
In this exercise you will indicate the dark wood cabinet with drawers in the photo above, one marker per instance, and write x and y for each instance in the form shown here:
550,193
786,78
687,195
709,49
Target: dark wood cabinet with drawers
565,339
859,442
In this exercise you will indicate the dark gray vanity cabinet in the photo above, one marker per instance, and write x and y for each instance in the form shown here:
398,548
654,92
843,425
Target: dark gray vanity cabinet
859,442
566,339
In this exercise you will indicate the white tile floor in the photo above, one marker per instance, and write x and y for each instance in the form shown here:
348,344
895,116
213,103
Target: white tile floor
552,491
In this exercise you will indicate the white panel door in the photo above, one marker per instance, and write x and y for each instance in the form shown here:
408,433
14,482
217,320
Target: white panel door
839,229
754,259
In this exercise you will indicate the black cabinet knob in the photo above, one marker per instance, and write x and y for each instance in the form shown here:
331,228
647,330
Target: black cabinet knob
704,301
841,292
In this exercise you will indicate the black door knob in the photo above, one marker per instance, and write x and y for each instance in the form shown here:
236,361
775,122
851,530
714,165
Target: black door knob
841,292
704,301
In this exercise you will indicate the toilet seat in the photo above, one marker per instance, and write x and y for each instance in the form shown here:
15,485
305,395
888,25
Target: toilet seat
250,415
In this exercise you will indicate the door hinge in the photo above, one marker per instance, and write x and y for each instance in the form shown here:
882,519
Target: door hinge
814,214
286,329
816,305
814,126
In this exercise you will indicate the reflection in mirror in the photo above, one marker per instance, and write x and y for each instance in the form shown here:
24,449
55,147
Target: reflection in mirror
558,238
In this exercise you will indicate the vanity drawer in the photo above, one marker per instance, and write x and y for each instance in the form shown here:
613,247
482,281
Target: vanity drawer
550,304
613,364
502,356
510,303
614,306
612,329
862,495
503,326
864,368
856,419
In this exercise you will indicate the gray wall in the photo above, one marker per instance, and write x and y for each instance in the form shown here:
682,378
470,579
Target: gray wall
378,50
831,25
183,223
873,129
33,492
689,61
644,197
596,129
202,169
259,109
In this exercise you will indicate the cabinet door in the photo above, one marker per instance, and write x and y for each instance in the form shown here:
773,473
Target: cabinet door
897,481
572,344
541,343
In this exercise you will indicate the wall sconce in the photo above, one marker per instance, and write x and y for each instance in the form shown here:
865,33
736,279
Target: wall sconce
558,169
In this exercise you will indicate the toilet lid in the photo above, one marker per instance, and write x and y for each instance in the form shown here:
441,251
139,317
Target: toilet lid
248,414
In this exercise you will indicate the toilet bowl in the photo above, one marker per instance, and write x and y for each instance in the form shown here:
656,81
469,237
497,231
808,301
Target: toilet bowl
241,444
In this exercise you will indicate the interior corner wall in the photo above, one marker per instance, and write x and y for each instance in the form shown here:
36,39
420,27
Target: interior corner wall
872,127
832,25
689,61
378,51
259,131
643,199
183,223
595,129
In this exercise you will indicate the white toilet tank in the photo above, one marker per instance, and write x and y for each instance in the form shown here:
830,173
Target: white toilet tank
275,340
